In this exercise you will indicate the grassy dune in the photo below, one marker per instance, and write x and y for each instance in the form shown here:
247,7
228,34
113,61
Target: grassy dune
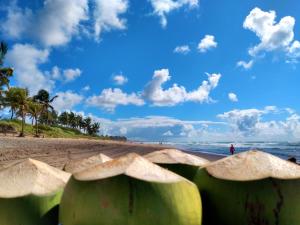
44,130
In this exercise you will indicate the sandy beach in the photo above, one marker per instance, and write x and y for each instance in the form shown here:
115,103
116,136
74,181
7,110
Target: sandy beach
58,151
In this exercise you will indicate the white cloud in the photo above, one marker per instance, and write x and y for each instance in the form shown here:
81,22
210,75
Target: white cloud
294,52
272,35
245,65
110,98
66,101
233,97
159,97
177,94
207,43
106,15
168,133
71,74
58,21
66,75
154,127
16,21
120,79
248,124
183,49
26,60
163,7
86,88
53,25
246,121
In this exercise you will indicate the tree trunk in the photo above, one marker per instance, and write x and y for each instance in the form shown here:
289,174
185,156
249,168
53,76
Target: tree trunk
12,114
36,127
23,122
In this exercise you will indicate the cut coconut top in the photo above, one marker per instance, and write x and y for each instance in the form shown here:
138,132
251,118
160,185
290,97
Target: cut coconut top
31,177
131,165
79,165
174,156
253,165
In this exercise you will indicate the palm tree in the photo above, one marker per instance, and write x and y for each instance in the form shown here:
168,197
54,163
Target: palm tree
35,109
80,122
9,100
72,120
64,118
43,97
94,128
87,123
21,99
5,73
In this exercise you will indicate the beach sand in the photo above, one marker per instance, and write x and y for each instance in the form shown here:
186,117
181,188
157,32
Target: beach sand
58,151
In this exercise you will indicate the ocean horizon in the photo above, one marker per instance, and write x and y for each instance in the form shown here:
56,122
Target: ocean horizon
283,150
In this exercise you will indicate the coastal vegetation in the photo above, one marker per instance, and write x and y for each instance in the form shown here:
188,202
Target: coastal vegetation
38,109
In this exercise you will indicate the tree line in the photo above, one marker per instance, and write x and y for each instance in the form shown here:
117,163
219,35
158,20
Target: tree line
38,107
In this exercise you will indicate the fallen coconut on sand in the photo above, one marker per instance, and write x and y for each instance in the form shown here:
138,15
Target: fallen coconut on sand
78,165
30,192
182,163
130,191
250,188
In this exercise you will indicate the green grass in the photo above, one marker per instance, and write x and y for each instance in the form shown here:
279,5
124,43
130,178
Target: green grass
46,131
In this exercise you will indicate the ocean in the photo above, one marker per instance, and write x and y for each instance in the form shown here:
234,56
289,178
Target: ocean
283,150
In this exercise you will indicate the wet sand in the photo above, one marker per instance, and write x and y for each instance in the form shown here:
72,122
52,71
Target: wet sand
58,151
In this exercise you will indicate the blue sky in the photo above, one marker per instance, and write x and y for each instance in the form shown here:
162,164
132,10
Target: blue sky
184,70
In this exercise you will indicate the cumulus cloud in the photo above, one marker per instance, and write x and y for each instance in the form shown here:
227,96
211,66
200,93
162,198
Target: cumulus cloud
53,25
273,35
57,21
246,121
154,127
168,133
176,94
183,49
26,60
238,125
71,74
233,97
294,52
163,7
86,88
110,98
66,101
66,75
207,43
17,19
107,15
120,79
245,65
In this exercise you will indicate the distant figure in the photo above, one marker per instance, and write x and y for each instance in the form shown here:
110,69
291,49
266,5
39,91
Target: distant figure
293,160
232,149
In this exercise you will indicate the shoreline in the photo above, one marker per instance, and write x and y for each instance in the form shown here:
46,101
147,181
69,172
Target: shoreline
58,151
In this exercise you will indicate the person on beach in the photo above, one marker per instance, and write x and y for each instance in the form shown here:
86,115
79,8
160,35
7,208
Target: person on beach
232,149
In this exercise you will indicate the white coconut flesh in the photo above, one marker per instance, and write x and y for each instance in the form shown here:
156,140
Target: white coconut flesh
174,156
131,165
253,165
78,165
31,177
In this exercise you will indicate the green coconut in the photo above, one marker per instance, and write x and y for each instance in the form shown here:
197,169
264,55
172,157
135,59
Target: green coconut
78,165
250,188
30,192
130,191
182,163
